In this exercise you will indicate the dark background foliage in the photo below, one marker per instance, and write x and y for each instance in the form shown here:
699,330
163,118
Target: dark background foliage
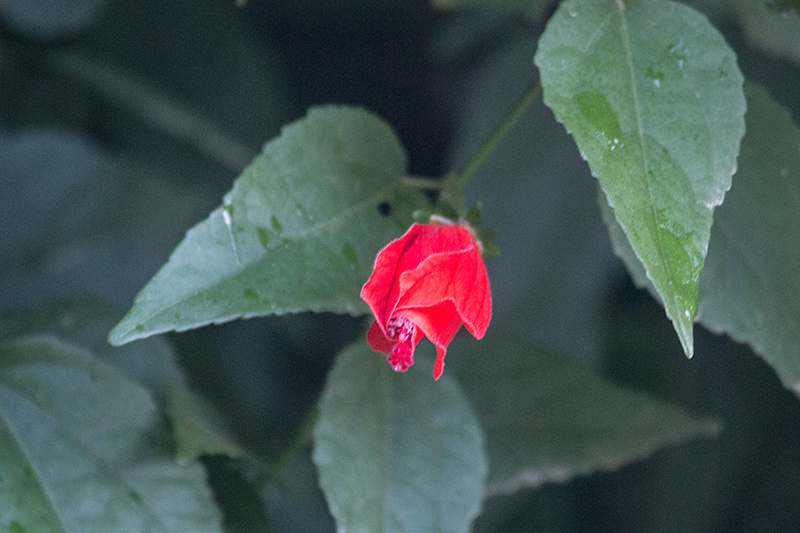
99,182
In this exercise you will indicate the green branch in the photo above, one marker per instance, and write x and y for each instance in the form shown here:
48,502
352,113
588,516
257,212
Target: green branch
458,180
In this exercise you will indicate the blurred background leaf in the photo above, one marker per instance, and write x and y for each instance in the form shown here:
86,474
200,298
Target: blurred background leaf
82,224
547,418
750,287
397,452
50,19
151,363
84,448
769,26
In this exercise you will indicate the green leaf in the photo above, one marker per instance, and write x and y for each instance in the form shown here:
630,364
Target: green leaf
79,449
298,232
198,428
547,418
749,287
86,323
84,224
397,452
653,97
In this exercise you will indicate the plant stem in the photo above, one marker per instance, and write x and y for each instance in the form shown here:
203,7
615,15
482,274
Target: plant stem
460,179
302,439
421,183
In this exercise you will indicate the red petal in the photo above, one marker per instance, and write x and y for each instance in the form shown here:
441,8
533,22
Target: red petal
438,365
458,277
439,323
377,339
377,291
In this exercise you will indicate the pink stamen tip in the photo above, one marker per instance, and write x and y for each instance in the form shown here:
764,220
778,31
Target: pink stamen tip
402,356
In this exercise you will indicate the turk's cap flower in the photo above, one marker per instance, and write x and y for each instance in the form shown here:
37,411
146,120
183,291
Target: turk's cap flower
428,282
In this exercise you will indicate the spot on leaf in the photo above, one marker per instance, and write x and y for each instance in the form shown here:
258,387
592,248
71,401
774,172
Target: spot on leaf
349,252
263,236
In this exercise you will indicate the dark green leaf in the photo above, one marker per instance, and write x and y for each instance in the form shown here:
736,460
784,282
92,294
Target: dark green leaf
547,418
78,449
49,19
770,26
397,452
653,97
86,323
82,224
749,287
198,428
299,231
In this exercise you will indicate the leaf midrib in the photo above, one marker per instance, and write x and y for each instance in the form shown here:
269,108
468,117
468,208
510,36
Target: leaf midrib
626,42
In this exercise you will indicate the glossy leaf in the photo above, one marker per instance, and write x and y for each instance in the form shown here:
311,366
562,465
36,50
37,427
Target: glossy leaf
652,96
548,418
397,452
749,287
298,232
77,449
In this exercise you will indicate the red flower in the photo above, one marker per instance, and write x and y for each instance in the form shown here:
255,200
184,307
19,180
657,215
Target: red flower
428,282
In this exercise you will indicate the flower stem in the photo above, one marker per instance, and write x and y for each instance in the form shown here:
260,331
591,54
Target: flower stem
460,179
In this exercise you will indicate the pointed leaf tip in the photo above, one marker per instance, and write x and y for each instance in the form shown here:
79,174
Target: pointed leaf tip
298,231
654,101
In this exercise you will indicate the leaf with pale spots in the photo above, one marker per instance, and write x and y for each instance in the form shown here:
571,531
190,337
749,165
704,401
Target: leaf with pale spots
298,232
653,97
